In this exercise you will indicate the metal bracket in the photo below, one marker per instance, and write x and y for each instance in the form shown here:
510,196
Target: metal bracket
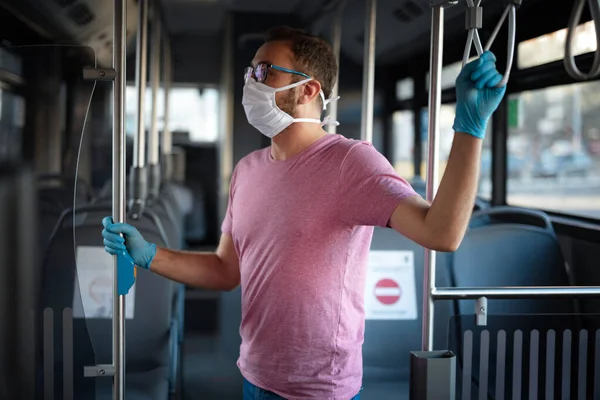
99,371
99,74
481,311
474,18
443,3
516,3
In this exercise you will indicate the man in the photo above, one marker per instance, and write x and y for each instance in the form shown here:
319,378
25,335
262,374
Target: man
300,221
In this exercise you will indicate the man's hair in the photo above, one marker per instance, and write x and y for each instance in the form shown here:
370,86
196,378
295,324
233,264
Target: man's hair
312,55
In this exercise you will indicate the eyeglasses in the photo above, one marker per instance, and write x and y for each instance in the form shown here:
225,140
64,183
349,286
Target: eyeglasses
260,72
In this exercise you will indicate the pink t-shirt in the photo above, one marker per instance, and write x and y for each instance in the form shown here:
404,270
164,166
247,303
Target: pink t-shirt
302,229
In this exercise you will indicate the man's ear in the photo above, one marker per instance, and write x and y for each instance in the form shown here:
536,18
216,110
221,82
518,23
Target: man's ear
311,90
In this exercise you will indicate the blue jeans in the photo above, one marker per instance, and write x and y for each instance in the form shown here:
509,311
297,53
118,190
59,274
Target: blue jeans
252,392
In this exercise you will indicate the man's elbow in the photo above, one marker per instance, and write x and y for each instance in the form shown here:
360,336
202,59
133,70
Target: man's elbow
232,279
232,285
444,247
446,243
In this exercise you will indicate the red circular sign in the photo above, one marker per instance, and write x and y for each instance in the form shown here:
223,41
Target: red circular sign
387,291
100,289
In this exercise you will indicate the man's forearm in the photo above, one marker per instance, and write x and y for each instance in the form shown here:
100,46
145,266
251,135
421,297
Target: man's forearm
204,270
451,209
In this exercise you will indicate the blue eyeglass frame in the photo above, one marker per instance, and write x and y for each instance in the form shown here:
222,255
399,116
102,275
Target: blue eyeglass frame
249,72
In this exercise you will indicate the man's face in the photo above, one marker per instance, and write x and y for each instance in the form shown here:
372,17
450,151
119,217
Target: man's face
279,53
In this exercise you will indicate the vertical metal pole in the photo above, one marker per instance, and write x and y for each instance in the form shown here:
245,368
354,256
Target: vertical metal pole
435,76
138,178
368,100
167,142
139,153
153,138
226,115
336,44
28,273
153,143
119,58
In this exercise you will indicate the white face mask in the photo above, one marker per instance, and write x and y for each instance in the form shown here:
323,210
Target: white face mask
264,114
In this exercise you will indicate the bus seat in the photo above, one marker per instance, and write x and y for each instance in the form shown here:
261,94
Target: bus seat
507,246
196,228
55,194
169,221
172,226
105,192
60,188
388,343
181,195
524,355
167,206
148,334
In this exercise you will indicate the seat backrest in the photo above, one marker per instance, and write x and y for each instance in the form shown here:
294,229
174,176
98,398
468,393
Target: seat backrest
390,339
164,209
527,356
506,246
147,332
60,189
182,196
155,217
503,252
55,194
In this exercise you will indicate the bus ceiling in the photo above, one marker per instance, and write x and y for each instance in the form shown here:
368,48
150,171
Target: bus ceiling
403,26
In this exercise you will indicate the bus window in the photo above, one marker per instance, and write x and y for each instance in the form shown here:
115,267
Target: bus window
554,148
551,47
403,143
12,119
10,62
449,74
405,89
192,110
403,146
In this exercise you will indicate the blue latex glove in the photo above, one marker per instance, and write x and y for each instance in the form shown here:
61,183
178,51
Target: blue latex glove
477,96
133,244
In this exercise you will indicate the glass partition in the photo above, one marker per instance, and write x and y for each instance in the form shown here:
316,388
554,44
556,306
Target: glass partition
49,115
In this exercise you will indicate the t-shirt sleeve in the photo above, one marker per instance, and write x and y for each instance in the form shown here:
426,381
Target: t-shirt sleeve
369,188
227,225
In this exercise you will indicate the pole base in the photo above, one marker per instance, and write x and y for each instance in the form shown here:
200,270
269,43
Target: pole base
432,375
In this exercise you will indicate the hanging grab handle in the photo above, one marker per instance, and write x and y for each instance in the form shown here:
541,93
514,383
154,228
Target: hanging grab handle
569,60
474,22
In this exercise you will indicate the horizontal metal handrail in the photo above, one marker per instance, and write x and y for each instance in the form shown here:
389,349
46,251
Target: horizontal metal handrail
516,292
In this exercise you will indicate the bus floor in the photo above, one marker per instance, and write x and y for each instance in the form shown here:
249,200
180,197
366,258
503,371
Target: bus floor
210,376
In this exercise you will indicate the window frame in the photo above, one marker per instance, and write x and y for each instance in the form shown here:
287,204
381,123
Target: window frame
541,77
527,79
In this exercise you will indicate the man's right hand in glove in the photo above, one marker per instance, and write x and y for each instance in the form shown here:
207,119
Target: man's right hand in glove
132,242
